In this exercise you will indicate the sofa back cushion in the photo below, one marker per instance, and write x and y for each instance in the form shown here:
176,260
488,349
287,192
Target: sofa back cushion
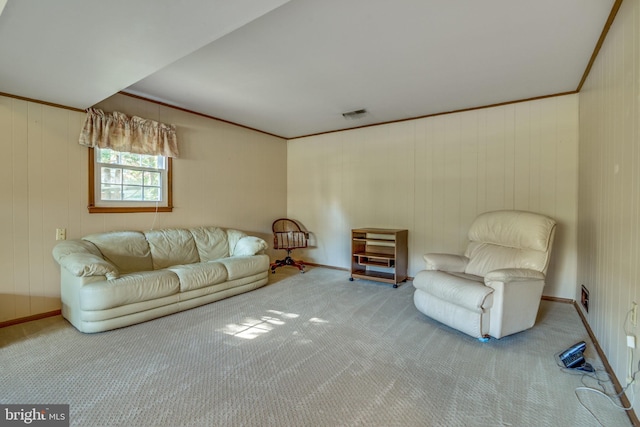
509,239
211,242
170,247
127,250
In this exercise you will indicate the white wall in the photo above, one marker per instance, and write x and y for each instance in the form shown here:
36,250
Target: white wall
432,176
225,176
609,193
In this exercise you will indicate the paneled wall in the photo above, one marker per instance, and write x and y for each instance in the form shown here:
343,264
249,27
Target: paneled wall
609,192
36,178
432,176
225,176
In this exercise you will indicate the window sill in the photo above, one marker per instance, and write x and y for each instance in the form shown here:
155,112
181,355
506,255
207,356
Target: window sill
102,209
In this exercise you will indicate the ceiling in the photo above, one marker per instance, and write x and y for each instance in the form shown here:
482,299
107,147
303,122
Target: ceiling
293,67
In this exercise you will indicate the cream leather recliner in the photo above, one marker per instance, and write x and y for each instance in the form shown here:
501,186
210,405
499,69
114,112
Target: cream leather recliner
495,288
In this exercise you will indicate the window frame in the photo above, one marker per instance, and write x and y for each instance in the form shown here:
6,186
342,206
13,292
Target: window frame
123,208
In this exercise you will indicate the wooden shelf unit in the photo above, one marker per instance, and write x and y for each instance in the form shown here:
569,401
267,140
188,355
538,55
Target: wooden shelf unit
379,254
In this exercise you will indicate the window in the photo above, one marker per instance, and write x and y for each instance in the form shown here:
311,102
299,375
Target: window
128,182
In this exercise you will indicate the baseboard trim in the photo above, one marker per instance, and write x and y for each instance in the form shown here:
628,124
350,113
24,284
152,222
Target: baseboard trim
313,264
616,384
556,299
409,278
30,318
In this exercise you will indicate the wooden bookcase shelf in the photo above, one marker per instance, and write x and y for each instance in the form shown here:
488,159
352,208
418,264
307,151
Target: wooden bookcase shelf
379,254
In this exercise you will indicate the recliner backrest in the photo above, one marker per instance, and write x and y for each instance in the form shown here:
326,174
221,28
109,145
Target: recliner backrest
509,239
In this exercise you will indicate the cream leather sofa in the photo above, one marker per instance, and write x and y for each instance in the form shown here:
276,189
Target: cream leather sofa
494,289
115,279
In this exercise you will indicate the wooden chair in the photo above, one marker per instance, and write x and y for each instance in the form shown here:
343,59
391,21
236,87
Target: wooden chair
288,235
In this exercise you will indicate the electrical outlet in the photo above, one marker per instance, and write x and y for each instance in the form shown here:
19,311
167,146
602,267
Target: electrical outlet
634,314
61,234
631,341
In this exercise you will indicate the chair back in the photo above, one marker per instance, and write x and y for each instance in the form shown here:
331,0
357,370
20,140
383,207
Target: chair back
287,234
509,239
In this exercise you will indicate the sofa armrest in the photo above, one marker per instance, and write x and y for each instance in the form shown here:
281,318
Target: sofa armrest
81,260
446,262
83,265
249,245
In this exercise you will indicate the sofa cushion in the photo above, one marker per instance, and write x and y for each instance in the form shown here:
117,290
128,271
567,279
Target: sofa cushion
127,250
173,246
212,243
128,289
243,266
199,275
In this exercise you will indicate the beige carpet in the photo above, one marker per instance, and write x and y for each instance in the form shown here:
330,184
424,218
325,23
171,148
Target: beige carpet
306,350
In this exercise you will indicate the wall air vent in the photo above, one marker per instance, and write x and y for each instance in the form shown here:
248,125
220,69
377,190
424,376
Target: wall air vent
357,114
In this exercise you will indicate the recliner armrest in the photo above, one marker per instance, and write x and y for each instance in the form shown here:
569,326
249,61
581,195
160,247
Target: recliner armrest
446,262
506,275
516,299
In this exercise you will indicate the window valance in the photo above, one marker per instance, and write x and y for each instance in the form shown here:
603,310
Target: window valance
134,134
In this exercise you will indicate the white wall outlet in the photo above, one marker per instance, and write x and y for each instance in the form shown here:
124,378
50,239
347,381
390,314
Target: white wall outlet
61,234
631,341
634,314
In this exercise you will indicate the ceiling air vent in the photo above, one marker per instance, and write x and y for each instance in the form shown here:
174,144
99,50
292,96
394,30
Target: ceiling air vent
352,115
